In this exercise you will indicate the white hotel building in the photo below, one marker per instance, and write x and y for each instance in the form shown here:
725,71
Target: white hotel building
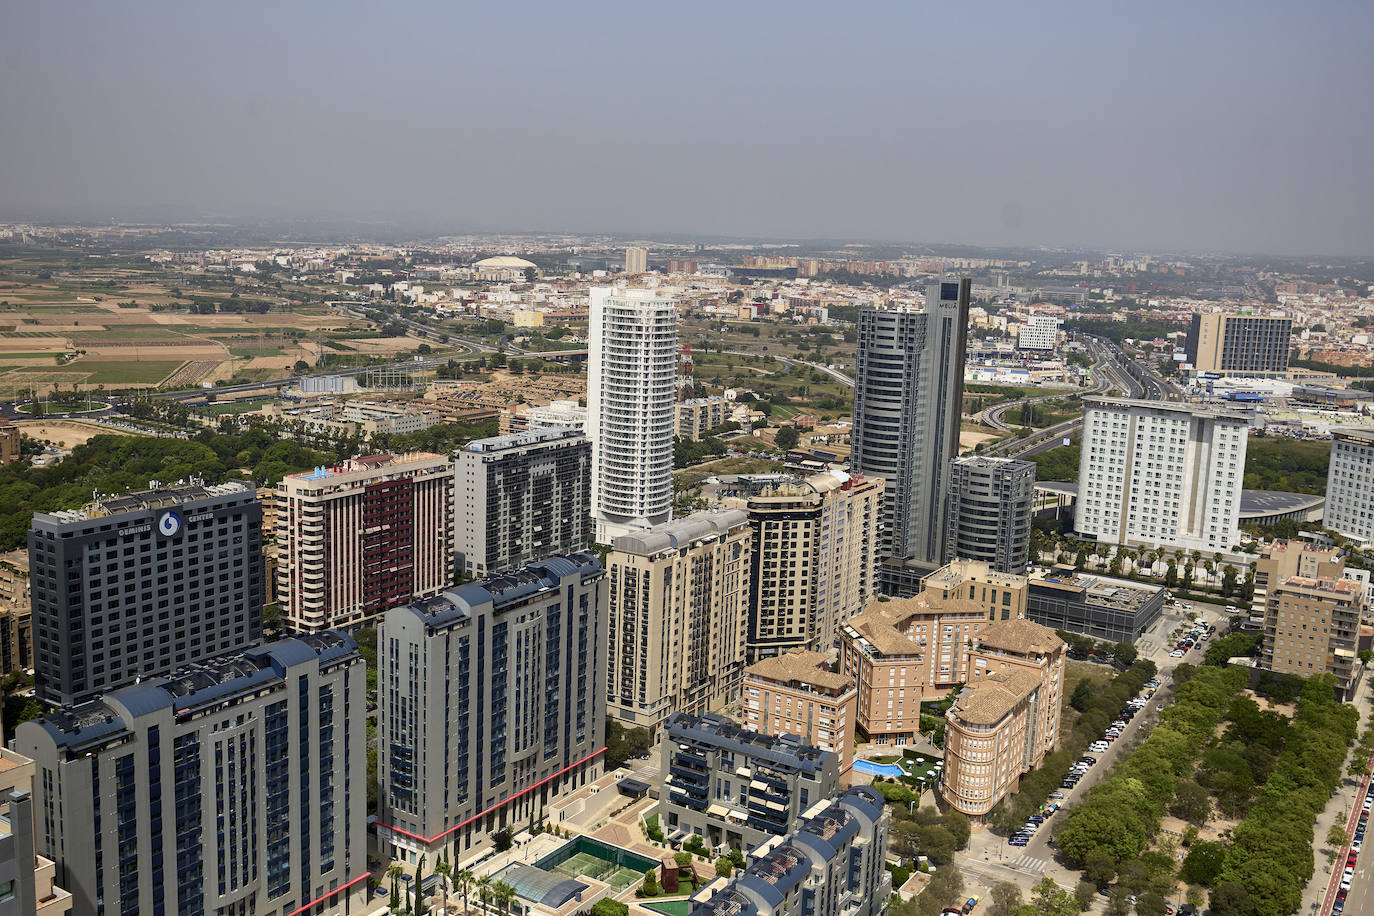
631,392
1160,474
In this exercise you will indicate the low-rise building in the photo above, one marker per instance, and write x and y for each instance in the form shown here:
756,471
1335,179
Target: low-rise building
1006,719
1110,609
737,788
1312,626
16,613
833,863
797,694
698,416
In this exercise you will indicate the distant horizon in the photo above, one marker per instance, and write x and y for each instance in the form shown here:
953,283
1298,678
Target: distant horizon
393,233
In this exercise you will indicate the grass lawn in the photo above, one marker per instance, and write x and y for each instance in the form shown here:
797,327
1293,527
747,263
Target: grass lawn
116,333
129,372
671,907
233,407
745,464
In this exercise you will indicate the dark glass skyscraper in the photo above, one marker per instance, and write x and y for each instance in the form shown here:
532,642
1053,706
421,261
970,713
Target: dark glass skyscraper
908,397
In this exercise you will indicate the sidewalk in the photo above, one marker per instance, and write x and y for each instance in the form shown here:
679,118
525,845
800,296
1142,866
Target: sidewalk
1318,893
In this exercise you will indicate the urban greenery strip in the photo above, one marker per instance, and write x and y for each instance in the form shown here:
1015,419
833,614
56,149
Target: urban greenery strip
1121,815
1269,861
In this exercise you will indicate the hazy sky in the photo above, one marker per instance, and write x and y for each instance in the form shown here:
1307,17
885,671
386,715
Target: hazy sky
1243,126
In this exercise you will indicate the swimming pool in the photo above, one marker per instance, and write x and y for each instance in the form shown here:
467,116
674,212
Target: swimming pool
878,769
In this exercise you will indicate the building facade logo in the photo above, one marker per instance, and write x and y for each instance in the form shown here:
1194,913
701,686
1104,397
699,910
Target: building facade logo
169,524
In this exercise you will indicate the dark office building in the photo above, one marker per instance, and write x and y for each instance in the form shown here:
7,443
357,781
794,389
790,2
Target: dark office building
908,398
1110,609
989,514
134,586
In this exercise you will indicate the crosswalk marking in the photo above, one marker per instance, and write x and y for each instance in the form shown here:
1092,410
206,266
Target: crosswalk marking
1029,863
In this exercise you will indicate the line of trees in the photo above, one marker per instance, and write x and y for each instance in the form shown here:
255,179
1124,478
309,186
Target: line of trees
1269,860
1036,786
1120,816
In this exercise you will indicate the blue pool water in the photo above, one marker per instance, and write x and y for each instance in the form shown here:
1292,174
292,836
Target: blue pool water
878,769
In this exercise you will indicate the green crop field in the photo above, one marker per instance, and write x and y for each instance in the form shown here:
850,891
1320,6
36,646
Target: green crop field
127,372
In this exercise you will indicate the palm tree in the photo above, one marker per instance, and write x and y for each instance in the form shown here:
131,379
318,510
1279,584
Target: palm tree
463,878
483,888
445,873
505,895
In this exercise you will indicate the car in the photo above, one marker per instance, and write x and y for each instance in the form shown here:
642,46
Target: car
1177,653
1056,794
1036,819
1051,809
1018,841
1357,843
1346,882
1086,759
1232,609
1350,859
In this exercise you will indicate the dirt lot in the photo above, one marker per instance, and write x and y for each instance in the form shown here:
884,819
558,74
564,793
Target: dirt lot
65,433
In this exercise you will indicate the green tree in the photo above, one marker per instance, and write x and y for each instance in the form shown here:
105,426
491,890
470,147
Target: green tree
1004,898
724,867
650,885
1085,894
1230,898
787,438
1203,863
1191,802
1150,903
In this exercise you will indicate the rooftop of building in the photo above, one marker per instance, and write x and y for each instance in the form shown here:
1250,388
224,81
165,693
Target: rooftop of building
1347,588
990,462
157,496
510,441
961,570
788,750
454,605
193,687
1253,503
1198,410
1098,590
875,629
990,698
680,533
1019,635
1283,546
800,668
784,862
506,261
365,464
1362,436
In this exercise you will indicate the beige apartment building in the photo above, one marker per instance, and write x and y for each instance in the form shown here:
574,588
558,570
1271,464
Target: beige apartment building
905,652
678,599
1006,719
9,442
16,613
363,536
30,876
797,694
1283,560
815,559
694,418
1311,625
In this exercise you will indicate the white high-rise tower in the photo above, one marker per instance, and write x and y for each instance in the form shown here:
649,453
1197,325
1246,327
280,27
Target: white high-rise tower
631,386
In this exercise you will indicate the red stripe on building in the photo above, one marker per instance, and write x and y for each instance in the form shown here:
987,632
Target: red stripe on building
318,900
496,807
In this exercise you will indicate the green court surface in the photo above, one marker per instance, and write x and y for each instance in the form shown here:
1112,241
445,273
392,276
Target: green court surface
670,907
